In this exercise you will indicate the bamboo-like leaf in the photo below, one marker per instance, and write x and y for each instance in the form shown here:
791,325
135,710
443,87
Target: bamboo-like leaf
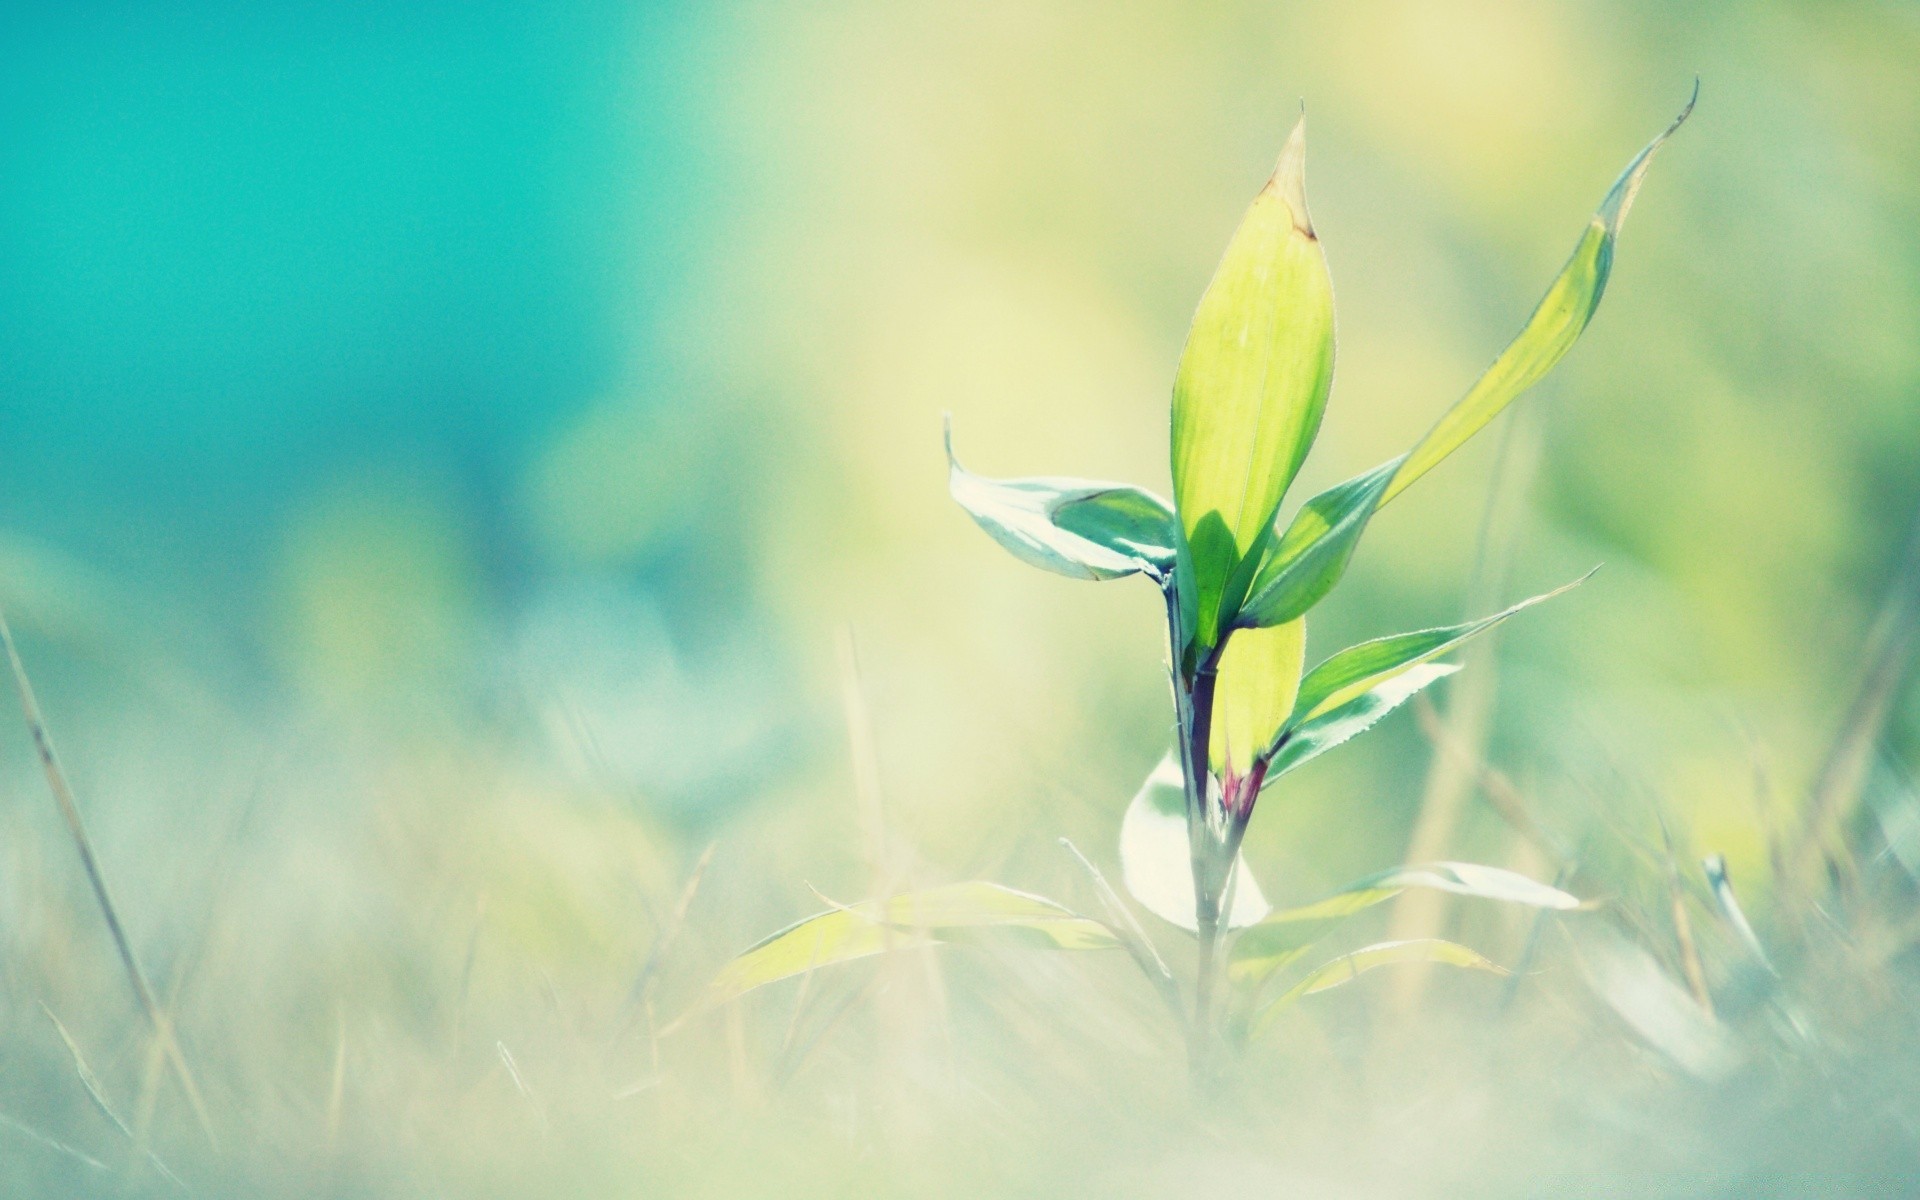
955,912
1314,737
1555,325
1251,386
1155,862
1313,553
1285,933
1662,1012
1349,967
1360,668
1718,882
1259,677
1083,529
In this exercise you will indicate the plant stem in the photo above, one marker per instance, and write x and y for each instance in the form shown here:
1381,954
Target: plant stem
1200,1034
1193,705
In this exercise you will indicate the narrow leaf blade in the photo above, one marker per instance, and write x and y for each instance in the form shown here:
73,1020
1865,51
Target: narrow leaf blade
1550,332
1283,934
1362,667
1314,737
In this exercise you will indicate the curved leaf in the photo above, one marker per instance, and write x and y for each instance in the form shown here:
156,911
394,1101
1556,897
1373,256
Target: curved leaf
955,912
1664,1014
1360,668
1251,386
1080,528
1349,967
1284,934
1259,677
1312,555
1312,738
1555,325
1156,863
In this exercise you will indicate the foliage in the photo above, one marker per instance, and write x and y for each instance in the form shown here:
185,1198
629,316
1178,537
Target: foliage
1238,582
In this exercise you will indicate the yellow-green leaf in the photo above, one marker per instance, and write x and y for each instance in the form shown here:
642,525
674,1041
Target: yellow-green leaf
1259,678
1252,385
1302,567
1349,967
1360,668
1308,740
1555,325
1285,933
950,913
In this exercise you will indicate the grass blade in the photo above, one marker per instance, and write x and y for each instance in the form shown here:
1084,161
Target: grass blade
90,863
97,1093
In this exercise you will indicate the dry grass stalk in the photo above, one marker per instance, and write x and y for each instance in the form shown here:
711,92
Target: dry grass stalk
89,861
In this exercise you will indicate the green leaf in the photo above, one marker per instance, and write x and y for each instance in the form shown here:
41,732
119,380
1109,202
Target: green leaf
955,912
1155,861
1349,967
1284,934
1079,528
1259,675
1312,738
1358,669
1251,386
1314,552
1555,325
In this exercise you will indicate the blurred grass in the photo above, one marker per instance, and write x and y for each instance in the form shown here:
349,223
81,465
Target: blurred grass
440,454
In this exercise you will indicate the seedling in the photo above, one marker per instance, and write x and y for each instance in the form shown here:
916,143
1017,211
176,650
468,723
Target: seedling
1238,583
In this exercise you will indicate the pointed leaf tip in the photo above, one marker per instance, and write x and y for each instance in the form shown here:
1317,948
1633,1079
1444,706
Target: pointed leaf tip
1289,180
1557,322
1613,210
1250,391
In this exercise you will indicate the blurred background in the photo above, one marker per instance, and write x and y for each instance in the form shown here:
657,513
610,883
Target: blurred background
459,462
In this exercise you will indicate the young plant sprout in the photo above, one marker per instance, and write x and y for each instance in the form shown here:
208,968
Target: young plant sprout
1238,583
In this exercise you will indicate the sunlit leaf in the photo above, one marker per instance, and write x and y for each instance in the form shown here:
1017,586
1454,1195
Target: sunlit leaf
1251,386
1311,556
1080,528
1555,325
1349,967
1285,933
955,912
1155,861
1312,738
1259,676
1358,669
